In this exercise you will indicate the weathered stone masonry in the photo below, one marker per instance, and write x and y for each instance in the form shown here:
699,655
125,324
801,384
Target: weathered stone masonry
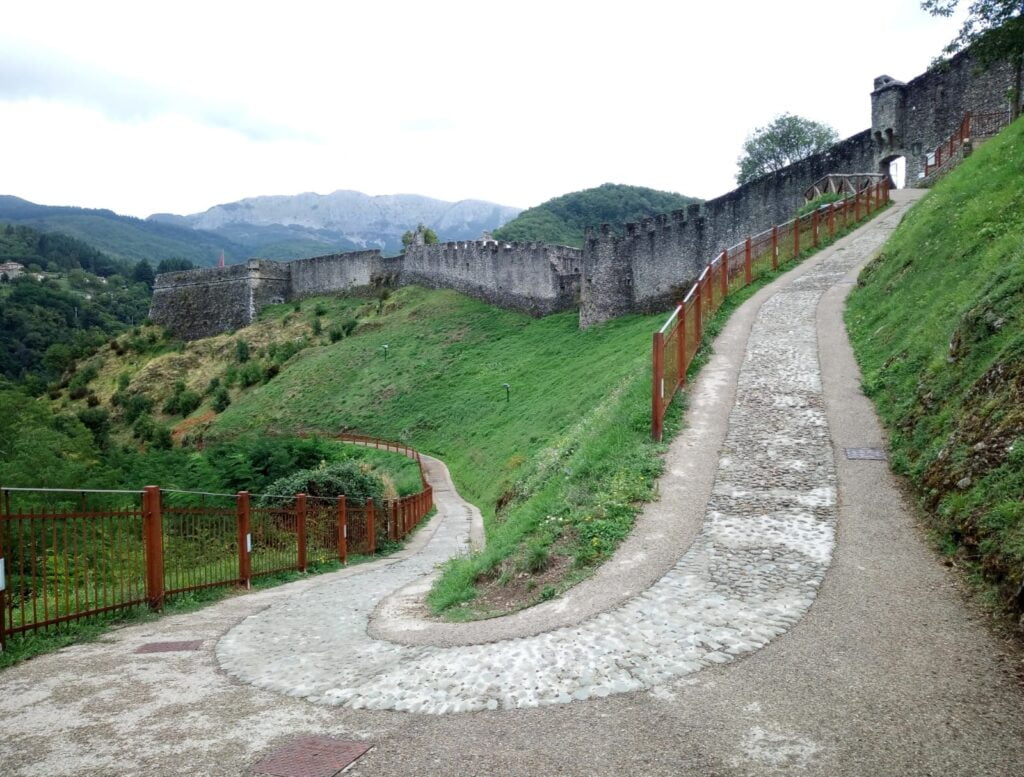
646,266
532,277
638,268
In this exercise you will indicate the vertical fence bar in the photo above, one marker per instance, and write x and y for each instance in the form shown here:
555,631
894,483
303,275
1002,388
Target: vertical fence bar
3,571
154,546
657,380
698,329
681,346
831,221
393,522
725,273
748,269
371,531
796,237
814,227
342,532
300,529
856,207
775,247
244,540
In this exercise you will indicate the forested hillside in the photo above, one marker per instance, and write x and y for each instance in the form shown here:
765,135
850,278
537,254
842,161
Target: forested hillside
562,220
123,237
72,299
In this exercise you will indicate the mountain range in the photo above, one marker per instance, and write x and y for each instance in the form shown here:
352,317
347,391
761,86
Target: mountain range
273,227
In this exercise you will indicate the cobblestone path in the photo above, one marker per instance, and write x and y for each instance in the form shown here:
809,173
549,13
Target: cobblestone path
751,573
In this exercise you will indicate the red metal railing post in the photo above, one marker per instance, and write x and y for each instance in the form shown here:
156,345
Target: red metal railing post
393,523
3,579
698,313
244,540
775,247
681,346
657,381
748,262
831,220
300,529
856,208
152,530
342,532
371,530
796,237
725,273
814,227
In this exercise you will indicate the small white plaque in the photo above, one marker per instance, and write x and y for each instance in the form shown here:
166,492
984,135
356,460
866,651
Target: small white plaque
3,576
248,543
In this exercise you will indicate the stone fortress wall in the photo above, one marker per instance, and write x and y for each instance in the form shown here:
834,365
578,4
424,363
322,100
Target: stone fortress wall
637,268
644,267
532,277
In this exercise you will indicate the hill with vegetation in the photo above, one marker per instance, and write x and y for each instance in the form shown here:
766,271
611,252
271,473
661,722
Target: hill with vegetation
559,466
124,237
937,323
562,220
71,299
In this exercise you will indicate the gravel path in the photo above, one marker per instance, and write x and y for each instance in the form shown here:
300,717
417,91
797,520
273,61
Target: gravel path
887,673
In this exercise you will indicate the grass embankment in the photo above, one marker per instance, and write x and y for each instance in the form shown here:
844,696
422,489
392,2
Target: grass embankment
559,468
937,324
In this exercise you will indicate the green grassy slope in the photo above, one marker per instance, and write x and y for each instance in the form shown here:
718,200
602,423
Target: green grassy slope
562,465
938,327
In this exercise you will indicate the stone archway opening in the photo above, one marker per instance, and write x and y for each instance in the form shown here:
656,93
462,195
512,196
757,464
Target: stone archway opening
895,167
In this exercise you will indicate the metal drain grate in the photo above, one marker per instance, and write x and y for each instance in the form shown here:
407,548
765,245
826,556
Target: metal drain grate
310,757
867,454
169,647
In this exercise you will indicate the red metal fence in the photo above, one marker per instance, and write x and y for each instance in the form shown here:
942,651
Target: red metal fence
676,343
72,554
973,125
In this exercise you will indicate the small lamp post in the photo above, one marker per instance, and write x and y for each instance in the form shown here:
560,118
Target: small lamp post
506,387
385,347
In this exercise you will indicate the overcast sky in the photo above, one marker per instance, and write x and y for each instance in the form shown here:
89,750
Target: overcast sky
175,107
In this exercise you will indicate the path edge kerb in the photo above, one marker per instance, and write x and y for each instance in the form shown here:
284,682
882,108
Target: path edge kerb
663,531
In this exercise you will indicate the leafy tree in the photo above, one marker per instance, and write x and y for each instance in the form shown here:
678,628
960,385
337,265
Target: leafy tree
786,140
143,273
994,30
331,480
429,236
174,265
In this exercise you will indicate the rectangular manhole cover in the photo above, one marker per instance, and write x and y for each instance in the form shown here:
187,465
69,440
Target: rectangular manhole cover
310,757
868,454
169,647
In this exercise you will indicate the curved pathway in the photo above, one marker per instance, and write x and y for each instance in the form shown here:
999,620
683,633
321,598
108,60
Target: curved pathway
888,673
749,575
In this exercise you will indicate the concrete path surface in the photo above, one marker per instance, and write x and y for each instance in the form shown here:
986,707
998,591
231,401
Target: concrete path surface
775,612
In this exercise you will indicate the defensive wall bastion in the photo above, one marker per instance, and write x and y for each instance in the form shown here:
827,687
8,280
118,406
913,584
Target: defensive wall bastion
632,268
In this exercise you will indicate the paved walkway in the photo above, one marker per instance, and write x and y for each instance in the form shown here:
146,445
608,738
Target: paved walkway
887,673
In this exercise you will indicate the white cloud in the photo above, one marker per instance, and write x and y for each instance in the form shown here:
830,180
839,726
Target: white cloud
149,110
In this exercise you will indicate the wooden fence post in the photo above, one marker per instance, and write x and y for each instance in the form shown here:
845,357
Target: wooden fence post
814,227
342,532
657,379
300,529
775,247
796,237
748,262
244,540
371,530
831,220
856,208
393,523
152,529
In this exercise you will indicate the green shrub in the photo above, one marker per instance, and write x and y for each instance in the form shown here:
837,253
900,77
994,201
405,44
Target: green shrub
221,400
250,374
331,480
317,326
134,406
241,351
348,326
213,385
97,421
319,310
335,334
161,438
